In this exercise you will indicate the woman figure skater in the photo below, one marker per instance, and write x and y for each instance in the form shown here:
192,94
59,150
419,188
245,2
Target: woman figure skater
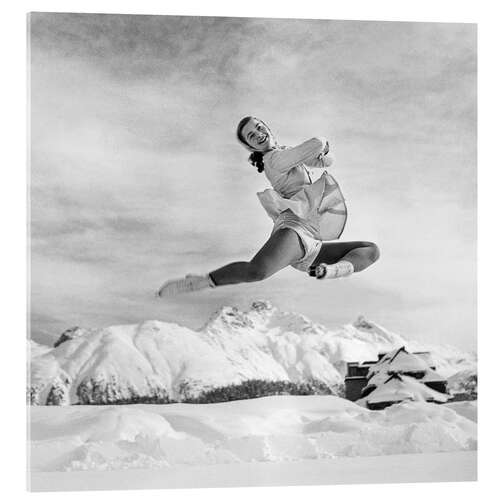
306,214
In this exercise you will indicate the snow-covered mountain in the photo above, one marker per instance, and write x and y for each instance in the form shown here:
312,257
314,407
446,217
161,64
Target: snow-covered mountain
463,384
164,362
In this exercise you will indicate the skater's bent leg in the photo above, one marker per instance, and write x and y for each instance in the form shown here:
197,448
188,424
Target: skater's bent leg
361,254
362,257
281,249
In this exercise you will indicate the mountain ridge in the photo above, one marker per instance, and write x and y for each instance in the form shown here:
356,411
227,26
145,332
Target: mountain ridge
167,362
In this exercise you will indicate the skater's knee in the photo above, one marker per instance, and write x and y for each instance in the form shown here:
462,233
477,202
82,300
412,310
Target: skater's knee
373,252
370,251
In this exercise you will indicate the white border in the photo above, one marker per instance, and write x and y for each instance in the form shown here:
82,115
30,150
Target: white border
13,212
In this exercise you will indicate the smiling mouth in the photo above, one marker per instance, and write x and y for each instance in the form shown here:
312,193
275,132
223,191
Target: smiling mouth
264,139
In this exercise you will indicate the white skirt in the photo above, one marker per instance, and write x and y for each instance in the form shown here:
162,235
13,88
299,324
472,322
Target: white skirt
320,205
311,244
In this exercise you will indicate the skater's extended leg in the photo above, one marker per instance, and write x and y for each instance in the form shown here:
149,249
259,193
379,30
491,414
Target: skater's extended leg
281,249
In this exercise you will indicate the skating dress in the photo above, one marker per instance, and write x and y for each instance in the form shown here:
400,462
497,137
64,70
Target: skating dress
316,211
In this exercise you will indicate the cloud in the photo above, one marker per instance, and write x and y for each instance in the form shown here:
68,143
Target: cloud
136,175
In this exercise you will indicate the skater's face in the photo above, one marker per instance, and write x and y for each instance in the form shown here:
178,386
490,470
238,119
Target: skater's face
257,135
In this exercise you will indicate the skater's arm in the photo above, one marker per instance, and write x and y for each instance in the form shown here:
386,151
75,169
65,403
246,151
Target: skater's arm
311,152
322,160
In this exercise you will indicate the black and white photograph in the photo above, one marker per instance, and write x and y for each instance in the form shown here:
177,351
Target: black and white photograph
252,251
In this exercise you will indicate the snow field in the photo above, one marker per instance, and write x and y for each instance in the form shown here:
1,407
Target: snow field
273,429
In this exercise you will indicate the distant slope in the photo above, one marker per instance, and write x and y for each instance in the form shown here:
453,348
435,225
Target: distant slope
164,362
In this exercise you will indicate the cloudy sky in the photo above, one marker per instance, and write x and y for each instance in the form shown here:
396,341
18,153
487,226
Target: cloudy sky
136,175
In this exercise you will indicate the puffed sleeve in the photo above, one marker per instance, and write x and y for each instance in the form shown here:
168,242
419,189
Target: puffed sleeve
321,161
309,152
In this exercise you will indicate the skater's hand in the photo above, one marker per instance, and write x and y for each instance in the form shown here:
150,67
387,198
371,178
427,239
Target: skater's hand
320,160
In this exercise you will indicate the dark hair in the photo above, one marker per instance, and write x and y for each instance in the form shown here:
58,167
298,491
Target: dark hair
256,157
257,160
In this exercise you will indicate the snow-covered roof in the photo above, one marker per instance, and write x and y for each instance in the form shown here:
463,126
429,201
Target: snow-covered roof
402,388
432,376
399,361
406,362
425,355
402,362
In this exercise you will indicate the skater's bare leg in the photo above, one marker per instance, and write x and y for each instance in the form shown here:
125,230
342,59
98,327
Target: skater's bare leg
281,249
360,254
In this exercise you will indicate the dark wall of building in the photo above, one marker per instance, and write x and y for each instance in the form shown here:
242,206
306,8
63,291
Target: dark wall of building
356,370
439,386
354,387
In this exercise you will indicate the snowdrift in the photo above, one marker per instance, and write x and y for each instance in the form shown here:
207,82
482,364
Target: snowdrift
272,429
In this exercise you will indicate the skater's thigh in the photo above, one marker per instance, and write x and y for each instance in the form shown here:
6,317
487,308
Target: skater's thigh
280,250
333,251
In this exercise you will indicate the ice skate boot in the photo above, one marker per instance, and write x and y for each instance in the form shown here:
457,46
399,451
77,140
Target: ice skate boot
191,283
341,269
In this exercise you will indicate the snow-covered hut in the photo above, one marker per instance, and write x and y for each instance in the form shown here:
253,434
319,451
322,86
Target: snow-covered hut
412,369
